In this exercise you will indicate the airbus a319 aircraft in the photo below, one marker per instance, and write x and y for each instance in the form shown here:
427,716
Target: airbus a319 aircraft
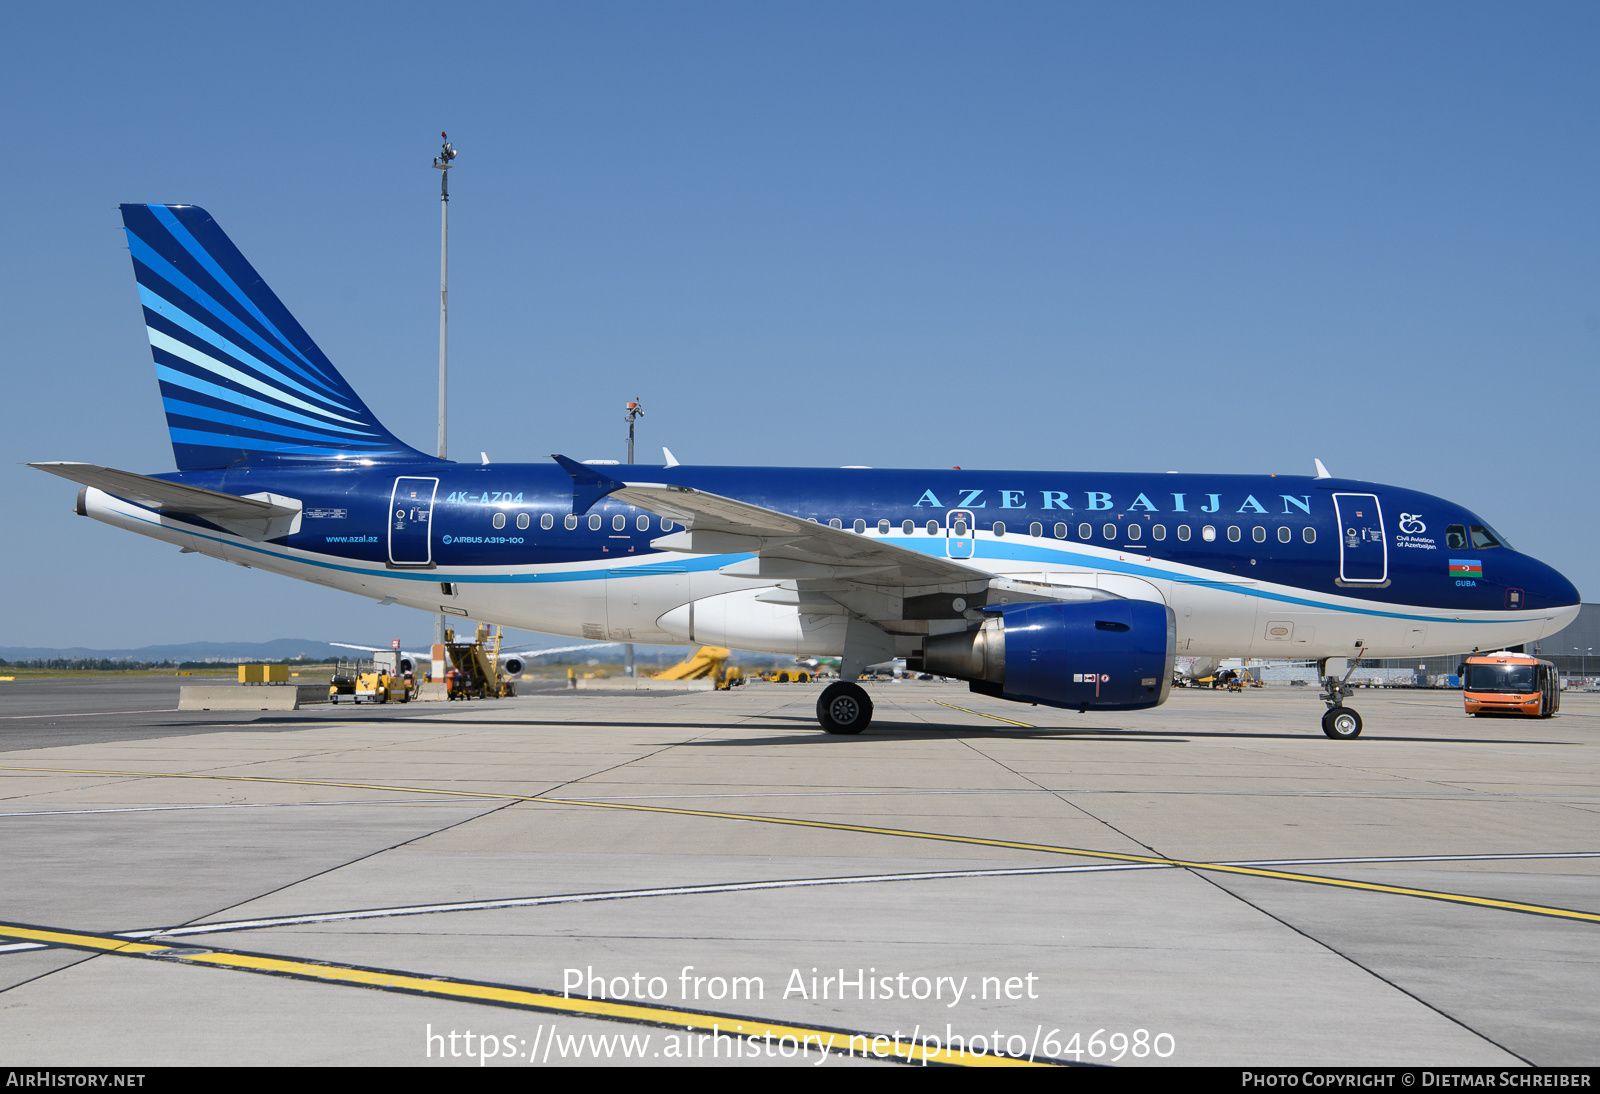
1069,589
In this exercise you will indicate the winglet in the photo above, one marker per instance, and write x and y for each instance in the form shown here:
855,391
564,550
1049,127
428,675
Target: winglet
588,485
672,461
1322,472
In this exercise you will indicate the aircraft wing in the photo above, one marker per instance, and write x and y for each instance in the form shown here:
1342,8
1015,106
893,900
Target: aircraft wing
258,514
790,548
816,557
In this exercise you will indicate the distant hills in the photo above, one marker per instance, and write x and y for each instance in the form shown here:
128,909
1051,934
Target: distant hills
281,649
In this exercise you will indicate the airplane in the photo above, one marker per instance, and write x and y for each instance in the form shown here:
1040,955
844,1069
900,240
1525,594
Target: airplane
512,662
1076,590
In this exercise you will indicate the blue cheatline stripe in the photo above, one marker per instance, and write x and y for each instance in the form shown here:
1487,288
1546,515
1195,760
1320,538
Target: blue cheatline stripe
203,256
161,342
716,562
184,380
175,314
271,428
144,253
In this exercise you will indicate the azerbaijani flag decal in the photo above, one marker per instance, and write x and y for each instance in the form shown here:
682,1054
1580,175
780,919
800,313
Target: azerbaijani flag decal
1465,567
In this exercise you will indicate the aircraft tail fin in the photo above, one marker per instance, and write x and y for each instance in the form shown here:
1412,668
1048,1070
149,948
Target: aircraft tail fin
243,383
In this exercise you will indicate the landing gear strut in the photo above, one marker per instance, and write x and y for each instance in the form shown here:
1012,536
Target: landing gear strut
844,708
1340,722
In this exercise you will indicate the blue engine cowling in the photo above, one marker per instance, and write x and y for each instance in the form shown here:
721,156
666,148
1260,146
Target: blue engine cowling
1091,655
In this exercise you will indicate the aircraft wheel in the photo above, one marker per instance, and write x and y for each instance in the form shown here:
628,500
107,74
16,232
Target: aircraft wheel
844,708
1342,724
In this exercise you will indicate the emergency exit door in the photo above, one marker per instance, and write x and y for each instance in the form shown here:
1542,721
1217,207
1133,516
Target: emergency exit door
411,521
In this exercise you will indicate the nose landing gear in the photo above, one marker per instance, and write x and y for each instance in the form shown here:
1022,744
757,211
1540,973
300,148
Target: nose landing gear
1340,722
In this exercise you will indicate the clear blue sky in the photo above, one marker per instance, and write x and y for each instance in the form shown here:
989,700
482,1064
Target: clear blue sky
1224,237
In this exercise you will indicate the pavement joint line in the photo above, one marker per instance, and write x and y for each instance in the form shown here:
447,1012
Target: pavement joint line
506,995
492,904
901,833
465,799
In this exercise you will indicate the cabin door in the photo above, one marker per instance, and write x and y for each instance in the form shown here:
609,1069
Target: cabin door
411,521
1363,551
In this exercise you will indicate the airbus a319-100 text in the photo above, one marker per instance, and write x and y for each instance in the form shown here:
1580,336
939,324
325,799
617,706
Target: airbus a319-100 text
1075,590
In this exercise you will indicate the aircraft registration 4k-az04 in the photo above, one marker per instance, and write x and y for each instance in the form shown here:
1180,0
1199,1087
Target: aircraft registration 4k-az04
1075,590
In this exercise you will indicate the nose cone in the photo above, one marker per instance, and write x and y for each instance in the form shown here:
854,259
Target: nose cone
1548,588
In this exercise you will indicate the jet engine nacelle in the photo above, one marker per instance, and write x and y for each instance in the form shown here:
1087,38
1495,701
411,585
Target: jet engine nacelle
1089,655
512,665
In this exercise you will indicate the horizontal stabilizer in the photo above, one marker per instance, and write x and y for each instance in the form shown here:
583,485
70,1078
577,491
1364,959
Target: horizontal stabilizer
265,516
588,485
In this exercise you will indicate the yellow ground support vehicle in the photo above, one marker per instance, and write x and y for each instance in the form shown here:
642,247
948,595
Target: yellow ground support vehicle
473,670
788,676
708,663
368,681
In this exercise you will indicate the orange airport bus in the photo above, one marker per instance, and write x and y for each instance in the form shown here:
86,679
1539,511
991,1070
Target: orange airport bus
1511,683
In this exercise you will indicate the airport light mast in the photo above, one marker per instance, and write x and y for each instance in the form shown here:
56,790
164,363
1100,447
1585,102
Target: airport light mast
635,412
442,162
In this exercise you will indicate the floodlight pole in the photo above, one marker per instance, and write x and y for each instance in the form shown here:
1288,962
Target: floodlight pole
635,412
442,162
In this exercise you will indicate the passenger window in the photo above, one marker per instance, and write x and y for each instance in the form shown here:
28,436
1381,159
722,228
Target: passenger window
547,522
1085,531
1036,529
835,523
883,527
933,527
859,527
1284,535
1233,533
619,522
1183,532
1209,534
571,522
999,528
907,527
666,525
522,520
499,520
1109,531
1133,531
1309,534
1259,534
1061,530
1159,532
643,523
594,522
960,528
1455,537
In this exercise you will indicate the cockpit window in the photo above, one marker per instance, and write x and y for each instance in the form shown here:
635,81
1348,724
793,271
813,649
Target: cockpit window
1483,538
1455,537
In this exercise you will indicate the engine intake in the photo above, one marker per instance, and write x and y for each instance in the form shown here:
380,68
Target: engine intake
1095,655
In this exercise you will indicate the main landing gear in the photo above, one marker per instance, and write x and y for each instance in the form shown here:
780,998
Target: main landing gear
1340,722
844,708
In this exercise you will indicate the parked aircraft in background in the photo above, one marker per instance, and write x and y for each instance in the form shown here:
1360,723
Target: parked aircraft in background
1070,589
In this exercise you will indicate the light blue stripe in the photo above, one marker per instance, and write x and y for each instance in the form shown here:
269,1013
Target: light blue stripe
160,340
242,421
248,444
716,562
146,254
176,314
202,256
205,387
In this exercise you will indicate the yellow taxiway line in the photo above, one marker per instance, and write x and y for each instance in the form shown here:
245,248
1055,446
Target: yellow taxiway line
842,1042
